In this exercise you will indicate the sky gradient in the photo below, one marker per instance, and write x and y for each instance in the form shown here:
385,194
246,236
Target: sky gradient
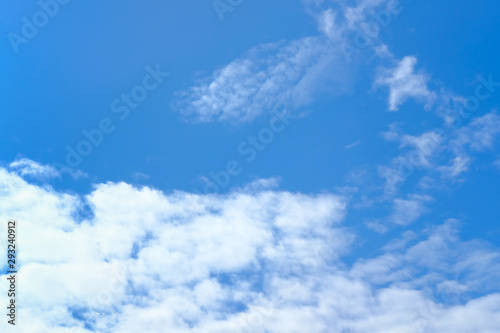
252,166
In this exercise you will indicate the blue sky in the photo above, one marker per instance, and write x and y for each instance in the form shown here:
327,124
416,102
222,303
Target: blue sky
369,128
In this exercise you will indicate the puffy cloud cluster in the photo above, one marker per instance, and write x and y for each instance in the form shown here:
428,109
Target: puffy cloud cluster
265,261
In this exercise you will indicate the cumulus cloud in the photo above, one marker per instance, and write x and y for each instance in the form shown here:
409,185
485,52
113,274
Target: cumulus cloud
244,262
271,77
143,249
404,83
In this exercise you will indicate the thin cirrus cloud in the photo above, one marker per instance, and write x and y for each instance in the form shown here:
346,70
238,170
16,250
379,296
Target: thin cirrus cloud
246,261
268,78
497,164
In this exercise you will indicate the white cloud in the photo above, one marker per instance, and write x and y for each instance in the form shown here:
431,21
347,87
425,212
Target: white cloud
406,211
263,184
139,176
286,76
382,51
270,77
163,244
352,145
436,260
459,164
27,167
439,263
377,226
328,26
353,17
448,152
404,83
392,134
392,179
481,134
497,164
360,13
247,261
426,145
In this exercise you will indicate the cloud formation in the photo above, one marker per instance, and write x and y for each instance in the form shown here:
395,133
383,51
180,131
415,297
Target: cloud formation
269,78
404,83
27,167
258,261
407,211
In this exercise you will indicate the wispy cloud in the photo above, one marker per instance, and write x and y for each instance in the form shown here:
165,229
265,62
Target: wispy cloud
426,145
407,211
139,176
404,83
392,134
449,152
481,134
436,259
27,167
352,145
270,77
497,164
392,179
459,164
